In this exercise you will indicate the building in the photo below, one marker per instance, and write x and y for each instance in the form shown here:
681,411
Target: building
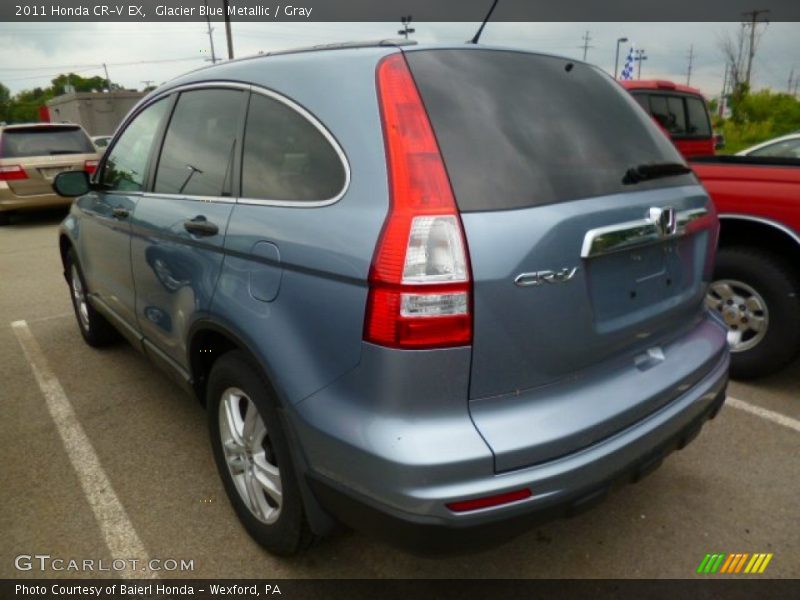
98,113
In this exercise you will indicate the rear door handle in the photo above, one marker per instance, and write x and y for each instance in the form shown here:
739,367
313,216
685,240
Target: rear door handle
121,213
200,226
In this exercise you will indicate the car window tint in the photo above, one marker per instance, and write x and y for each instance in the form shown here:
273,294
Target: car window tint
677,115
698,117
785,149
127,160
286,157
200,144
519,130
44,141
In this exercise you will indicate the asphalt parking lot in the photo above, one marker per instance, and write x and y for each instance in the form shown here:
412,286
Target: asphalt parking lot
734,489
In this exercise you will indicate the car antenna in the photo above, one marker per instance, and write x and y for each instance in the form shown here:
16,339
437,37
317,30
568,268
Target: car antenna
480,29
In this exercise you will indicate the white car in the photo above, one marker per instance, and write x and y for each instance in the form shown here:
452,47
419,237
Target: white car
787,146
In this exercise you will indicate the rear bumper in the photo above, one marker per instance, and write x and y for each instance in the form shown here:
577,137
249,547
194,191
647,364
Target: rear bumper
405,504
431,535
10,201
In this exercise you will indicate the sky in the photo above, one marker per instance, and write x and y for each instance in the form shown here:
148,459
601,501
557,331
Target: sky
33,53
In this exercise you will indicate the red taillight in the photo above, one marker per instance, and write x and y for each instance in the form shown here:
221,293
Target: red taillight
487,501
90,166
12,173
420,283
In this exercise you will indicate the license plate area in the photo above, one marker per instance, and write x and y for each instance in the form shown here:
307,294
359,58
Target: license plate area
630,286
51,172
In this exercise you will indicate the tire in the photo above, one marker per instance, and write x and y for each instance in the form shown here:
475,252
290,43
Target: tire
5,218
758,280
94,328
239,399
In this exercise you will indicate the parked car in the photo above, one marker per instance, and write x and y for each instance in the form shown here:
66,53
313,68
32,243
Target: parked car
101,142
786,146
680,110
757,277
31,155
422,291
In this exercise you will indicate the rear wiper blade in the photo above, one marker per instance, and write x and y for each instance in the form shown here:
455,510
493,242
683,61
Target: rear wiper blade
653,171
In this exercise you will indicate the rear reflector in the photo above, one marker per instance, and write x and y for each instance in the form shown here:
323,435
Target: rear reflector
487,501
90,166
12,173
420,284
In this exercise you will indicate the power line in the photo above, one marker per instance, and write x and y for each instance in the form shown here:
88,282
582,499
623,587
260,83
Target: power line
97,67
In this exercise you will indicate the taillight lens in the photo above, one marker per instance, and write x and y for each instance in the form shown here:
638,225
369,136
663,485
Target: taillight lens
420,284
12,173
90,166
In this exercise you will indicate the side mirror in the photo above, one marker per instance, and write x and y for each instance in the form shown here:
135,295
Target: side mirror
71,184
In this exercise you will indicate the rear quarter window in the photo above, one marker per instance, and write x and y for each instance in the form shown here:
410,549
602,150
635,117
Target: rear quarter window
519,130
286,157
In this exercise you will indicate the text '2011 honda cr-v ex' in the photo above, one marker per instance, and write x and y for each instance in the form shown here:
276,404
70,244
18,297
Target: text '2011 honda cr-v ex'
433,293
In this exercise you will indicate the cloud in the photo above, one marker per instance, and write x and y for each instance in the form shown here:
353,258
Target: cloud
34,53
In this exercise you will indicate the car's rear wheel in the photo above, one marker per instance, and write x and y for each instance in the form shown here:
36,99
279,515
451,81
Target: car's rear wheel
5,217
94,327
757,293
253,457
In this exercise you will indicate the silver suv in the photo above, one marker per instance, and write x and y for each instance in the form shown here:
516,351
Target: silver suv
434,293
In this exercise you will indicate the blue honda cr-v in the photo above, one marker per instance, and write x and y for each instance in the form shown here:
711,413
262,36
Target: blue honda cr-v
435,293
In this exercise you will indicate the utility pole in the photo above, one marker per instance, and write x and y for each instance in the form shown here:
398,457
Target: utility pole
691,60
586,39
640,56
791,78
228,29
751,49
406,29
211,36
722,97
108,81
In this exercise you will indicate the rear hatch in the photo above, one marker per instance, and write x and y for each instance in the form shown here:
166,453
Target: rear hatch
574,264
43,151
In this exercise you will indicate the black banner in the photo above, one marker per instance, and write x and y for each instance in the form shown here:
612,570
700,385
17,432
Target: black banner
391,11
414,589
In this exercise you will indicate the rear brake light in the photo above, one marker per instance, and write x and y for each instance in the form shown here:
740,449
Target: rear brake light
90,166
420,283
488,501
12,173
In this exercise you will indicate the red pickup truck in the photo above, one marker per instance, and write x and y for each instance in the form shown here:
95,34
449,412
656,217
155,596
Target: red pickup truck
757,276
681,112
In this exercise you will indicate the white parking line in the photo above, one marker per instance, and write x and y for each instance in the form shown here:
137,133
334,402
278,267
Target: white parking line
769,415
120,536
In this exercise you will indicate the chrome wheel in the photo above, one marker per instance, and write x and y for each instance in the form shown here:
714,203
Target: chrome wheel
250,456
743,310
79,298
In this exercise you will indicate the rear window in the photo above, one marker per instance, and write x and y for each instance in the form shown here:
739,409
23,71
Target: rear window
44,141
680,114
519,130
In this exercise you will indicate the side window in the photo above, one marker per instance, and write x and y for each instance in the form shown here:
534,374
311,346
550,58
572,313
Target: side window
126,163
698,117
787,149
286,157
200,144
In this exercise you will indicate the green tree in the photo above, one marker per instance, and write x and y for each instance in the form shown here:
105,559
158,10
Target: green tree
5,103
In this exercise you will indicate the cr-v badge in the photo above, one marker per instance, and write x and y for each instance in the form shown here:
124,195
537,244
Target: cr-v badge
540,277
